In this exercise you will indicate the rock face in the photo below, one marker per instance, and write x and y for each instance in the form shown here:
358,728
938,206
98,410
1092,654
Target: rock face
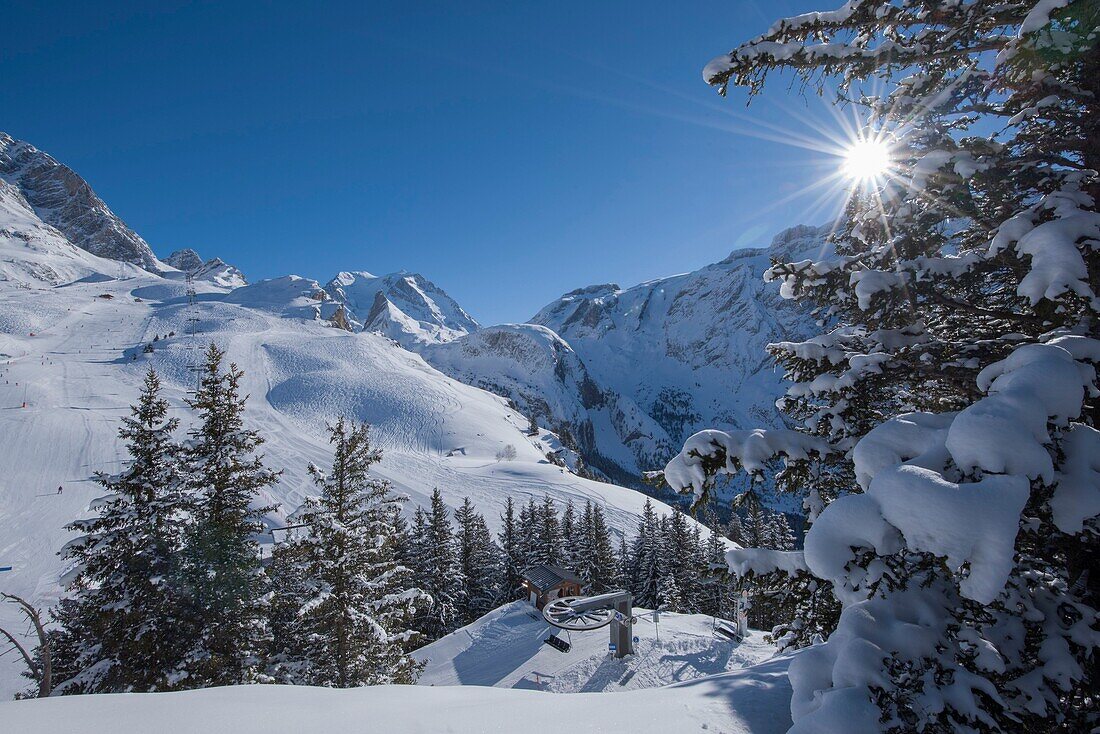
406,307
64,200
35,255
186,260
689,350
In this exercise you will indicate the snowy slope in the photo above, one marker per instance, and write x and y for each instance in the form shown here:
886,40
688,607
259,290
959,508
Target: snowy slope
83,364
64,200
547,379
505,649
750,701
33,254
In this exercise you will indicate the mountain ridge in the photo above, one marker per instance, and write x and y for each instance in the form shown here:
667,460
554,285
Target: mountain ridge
67,202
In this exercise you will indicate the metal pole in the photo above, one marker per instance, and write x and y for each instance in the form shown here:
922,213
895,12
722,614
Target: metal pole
622,627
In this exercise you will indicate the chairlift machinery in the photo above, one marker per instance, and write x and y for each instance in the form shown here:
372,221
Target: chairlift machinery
587,613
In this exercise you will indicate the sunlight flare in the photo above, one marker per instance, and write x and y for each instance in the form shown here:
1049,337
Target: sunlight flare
867,159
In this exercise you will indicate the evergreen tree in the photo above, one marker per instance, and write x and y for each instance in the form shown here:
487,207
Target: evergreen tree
569,555
512,560
356,600
624,566
715,593
778,533
597,563
668,593
647,567
403,547
963,295
546,547
119,630
681,567
735,531
220,563
480,563
528,524
441,577
290,577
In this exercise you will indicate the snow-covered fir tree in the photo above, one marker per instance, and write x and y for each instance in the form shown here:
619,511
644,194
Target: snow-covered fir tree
440,574
220,565
682,564
569,556
546,540
949,408
596,562
354,600
528,521
623,565
647,560
716,593
511,548
479,561
120,629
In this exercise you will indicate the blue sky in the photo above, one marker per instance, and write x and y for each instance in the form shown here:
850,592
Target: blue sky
508,151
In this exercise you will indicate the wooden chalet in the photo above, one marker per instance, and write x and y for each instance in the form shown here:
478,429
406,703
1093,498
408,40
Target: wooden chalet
546,583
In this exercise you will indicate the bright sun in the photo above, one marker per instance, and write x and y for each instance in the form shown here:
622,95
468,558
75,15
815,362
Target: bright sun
867,159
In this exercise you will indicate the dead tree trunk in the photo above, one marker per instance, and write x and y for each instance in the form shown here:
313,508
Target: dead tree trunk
41,667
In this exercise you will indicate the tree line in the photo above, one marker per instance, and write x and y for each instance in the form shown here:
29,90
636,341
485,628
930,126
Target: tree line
169,588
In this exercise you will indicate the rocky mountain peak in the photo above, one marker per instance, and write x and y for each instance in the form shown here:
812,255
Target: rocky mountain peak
65,201
186,260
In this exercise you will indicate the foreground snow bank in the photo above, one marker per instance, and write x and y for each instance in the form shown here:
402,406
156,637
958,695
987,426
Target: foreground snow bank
753,701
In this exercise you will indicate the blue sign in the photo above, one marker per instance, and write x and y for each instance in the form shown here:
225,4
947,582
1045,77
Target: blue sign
611,647
5,568
635,639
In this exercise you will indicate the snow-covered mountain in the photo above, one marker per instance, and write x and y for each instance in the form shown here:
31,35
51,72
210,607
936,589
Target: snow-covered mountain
688,350
407,307
215,269
65,201
77,332
628,374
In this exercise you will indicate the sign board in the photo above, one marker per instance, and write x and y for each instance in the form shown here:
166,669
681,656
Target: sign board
5,568
635,639
611,647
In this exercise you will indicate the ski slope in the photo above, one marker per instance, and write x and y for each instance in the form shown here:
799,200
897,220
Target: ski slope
72,352
505,649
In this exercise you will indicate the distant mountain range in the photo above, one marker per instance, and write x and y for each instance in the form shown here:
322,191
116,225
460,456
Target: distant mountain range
623,375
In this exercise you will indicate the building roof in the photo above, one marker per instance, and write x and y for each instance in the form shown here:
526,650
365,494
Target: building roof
544,577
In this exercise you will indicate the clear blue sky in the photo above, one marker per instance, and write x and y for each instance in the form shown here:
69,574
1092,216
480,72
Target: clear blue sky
509,151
